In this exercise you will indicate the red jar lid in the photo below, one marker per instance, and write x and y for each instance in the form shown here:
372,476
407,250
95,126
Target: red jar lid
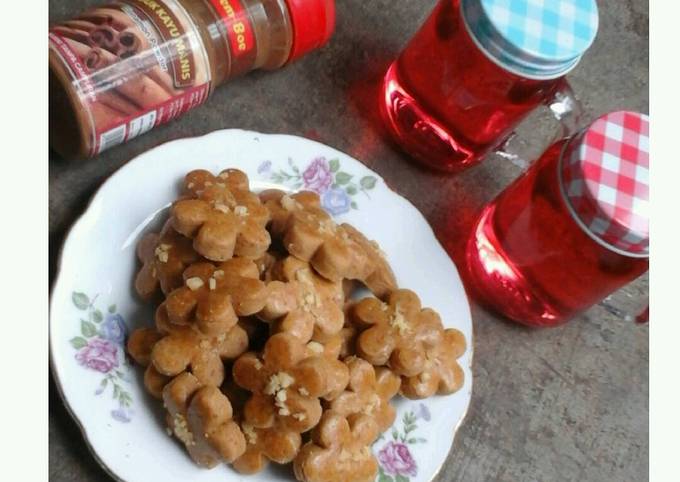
313,24
604,175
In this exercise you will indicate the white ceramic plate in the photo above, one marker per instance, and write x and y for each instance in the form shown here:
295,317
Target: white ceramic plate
93,304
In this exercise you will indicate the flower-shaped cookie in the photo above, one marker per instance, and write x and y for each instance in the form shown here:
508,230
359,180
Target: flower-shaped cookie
303,303
310,234
339,450
222,216
397,333
442,373
281,206
213,296
185,348
381,280
369,392
264,445
201,417
286,384
164,258
139,346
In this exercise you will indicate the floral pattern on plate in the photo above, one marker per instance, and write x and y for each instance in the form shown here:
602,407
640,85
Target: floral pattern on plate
101,347
397,464
338,189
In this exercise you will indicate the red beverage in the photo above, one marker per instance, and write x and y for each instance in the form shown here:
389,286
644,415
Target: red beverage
530,259
448,101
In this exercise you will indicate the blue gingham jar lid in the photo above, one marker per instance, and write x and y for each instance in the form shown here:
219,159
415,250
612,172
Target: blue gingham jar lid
533,38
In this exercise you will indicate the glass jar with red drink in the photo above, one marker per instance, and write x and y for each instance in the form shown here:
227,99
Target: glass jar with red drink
571,230
476,68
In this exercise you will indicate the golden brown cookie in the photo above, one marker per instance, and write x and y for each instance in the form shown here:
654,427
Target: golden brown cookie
139,346
264,445
310,234
213,296
281,206
369,392
381,280
442,373
185,348
164,258
201,417
340,450
222,216
286,384
397,333
301,302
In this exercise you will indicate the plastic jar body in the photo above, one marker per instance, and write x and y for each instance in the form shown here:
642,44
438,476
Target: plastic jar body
529,259
119,70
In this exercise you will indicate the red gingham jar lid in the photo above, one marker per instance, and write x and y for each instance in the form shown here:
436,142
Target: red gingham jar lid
604,174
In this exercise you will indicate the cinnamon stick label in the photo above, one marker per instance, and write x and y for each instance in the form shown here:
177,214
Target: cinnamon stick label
134,64
238,27
175,40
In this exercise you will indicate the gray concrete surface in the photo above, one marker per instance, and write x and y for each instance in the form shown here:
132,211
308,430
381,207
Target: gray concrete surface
556,405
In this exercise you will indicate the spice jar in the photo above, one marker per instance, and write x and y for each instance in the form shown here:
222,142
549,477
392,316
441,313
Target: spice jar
476,68
119,70
570,231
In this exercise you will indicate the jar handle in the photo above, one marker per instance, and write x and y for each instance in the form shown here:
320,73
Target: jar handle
565,108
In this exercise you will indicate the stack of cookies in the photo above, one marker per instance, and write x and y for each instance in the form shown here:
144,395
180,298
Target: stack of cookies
257,351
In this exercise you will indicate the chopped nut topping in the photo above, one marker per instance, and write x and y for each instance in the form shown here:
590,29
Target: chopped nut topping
249,432
315,347
221,207
212,283
241,211
258,364
304,276
308,301
303,391
194,283
299,416
424,377
204,344
218,274
290,204
161,252
182,429
224,175
278,381
208,183
276,386
399,322
284,412
190,185
372,405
